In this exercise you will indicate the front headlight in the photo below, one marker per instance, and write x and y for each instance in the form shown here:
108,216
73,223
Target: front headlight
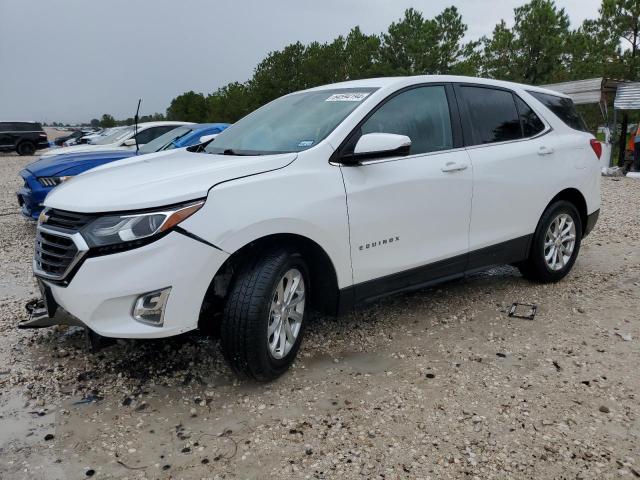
133,229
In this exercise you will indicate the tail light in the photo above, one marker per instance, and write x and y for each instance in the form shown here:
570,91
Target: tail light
597,147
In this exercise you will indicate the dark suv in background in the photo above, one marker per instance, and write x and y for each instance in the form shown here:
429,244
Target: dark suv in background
23,137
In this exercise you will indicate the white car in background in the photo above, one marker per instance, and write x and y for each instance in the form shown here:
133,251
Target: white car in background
123,138
87,139
321,199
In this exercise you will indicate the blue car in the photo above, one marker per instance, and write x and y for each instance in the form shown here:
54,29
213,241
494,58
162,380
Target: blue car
42,176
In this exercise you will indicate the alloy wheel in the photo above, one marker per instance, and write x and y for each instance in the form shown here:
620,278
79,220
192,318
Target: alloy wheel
559,242
286,314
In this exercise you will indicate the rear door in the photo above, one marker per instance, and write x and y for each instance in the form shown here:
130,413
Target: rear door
409,215
513,159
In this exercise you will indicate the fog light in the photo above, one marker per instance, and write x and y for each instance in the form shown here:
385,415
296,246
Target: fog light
149,307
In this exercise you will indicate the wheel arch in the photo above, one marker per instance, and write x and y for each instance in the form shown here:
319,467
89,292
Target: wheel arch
575,197
324,280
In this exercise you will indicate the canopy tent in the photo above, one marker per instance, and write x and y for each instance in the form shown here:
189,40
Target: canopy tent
590,91
625,95
628,97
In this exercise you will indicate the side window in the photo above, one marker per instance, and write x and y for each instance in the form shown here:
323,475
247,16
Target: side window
564,109
152,133
421,113
492,114
531,123
27,127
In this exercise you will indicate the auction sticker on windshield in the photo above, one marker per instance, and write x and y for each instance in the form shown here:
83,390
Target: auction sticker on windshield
347,97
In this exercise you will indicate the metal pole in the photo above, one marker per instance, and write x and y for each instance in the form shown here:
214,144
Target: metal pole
614,127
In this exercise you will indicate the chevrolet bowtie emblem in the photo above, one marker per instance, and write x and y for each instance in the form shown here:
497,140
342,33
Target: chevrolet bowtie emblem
42,218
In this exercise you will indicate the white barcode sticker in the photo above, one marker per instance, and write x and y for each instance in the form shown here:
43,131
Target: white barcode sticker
347,97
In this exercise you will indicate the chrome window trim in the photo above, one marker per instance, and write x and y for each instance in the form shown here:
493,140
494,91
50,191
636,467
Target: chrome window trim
549,129
409,157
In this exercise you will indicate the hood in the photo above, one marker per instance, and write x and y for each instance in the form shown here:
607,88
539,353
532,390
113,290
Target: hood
156,180
81,148
74,163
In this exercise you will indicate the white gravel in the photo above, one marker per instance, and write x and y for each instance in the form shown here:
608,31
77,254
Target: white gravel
435,384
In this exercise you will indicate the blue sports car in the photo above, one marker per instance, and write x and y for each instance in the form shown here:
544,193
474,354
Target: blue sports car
42,176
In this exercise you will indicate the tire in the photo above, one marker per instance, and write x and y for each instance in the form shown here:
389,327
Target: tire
26,148
252,310
543,265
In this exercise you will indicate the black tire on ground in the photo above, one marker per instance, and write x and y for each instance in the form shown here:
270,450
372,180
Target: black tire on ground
244,329
26,148
535,267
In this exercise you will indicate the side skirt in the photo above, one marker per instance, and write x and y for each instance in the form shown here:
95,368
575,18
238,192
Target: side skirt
434,273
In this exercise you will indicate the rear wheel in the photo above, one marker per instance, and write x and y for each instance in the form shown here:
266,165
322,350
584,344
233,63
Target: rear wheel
26,148
555,244
265,315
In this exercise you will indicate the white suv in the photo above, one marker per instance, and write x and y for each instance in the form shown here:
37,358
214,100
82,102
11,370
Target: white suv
120,138
322,199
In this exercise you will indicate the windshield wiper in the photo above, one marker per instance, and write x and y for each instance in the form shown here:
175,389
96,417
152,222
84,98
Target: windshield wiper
231,151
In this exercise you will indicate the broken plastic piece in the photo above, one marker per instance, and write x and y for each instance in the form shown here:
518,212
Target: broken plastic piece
522,310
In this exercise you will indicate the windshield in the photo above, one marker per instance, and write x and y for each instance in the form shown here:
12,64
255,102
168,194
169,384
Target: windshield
292,123
165,141
113,137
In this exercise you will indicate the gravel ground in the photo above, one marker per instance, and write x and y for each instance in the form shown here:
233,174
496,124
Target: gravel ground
435,384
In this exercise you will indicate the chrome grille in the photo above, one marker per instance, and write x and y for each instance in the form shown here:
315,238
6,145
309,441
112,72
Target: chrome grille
56,253
48,181
67,220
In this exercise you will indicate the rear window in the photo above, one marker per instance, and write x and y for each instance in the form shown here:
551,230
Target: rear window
563,108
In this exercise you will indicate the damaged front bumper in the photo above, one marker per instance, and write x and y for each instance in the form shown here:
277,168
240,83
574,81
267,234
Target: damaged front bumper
40,316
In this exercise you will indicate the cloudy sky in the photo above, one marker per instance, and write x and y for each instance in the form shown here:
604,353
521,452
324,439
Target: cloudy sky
72,60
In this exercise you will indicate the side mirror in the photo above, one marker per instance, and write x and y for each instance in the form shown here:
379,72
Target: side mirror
130,142
378,145
206,138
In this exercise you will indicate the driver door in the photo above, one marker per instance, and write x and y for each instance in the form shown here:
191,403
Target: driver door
409,215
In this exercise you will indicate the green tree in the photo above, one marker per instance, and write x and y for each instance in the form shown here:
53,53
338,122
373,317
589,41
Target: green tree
416,45
278,74
107,121
95,122
498,53
361,55
542,31
535,50
188,107
230,103
322,63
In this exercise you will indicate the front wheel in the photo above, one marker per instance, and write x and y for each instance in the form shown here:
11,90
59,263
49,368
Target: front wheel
555,244
265,315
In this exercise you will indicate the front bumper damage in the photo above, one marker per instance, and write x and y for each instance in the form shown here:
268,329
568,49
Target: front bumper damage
102,294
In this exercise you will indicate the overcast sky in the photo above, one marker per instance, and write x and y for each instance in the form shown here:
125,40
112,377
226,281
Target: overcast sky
73,60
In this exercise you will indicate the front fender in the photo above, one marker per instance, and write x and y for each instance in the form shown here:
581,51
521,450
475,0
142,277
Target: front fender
300,199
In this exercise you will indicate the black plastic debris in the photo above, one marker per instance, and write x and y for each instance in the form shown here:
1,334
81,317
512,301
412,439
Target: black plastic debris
522,310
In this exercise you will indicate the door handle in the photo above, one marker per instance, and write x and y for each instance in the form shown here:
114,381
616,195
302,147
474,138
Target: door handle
454,167
545,150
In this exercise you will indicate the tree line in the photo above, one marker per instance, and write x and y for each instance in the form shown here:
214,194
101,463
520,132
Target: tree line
540,48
